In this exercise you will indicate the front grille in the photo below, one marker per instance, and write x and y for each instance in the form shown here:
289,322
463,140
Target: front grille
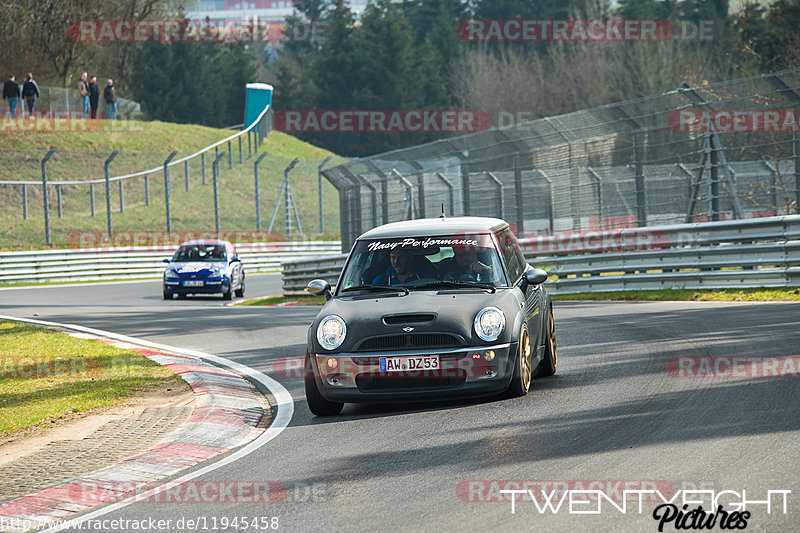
410,341
399,382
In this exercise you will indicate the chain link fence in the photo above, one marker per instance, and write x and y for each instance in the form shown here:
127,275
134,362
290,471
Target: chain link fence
719,151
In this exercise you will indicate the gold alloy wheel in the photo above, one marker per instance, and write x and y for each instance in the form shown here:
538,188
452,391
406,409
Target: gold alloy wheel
551,327
525,358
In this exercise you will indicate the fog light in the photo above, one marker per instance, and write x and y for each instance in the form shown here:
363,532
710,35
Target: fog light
332,363
488,355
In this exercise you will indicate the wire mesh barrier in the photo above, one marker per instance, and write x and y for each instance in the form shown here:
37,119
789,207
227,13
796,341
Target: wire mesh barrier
88,193
719,151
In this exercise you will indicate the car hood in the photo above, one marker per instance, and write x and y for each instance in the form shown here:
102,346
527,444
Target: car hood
448,311
200,268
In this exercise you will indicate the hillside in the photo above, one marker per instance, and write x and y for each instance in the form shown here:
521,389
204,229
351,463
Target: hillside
145,145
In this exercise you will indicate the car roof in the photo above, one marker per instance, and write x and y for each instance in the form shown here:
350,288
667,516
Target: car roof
436,226
207,242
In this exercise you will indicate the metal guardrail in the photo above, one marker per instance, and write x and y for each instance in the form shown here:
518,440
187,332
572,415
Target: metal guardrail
140,261
761,252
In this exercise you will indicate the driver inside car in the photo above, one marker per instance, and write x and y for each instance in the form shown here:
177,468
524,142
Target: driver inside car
464,265
401,271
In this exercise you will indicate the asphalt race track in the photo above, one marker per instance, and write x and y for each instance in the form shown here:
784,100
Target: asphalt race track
613,417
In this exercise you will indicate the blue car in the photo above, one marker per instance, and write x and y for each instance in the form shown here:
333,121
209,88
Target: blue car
204,267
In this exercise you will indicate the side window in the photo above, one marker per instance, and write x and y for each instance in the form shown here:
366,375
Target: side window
512,254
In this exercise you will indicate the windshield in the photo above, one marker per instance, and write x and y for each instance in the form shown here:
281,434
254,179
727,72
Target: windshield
200,252
418,262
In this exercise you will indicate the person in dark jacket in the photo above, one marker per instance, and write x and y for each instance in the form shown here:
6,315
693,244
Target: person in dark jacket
11,93
110,96
94,96
30,92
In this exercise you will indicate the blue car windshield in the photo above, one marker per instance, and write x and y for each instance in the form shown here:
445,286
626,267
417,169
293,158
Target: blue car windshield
200,252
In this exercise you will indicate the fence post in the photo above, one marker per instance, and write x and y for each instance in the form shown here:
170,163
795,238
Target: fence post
500,203
249,145
450,193
258,201
203,166
290,200
24,202
518,193
108,191
241,161
319,189
44,194
215,174
121,197
638,168
186,175
551,200
714,186
146,189
420,188
598,194
796,156
58,195
91,197
230,157
465,187
166,190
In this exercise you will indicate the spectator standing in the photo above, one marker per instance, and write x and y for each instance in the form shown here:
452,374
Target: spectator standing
11,93
110,96
94,96
83,88
30,92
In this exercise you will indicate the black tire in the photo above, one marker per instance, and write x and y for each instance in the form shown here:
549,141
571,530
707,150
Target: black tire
240,290
547,366
523,373
167,295
316,403
226,294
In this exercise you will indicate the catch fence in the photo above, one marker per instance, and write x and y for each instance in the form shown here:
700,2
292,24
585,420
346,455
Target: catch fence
715,152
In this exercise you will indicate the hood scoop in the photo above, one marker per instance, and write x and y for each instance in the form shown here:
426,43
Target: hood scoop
412,318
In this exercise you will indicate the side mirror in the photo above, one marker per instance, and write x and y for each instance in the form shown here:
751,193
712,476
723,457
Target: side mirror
535,276
165,260
318,287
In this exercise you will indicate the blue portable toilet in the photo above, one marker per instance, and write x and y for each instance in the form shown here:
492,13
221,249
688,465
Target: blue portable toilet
259,97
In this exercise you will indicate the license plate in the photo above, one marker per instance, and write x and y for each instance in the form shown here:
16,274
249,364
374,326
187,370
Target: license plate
193,283
410,363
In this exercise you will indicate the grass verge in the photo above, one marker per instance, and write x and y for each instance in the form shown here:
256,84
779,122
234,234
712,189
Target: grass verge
146,145
46,376
286,300
697,295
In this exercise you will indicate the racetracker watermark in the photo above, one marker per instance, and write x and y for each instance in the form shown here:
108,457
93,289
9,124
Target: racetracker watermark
382,121
732,367
157,240
174,31
582,30
62,122
90,493
39,367
625,240
734,121
505,490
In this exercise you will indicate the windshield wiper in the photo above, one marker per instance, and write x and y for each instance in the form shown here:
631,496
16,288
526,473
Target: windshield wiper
381,288
458,285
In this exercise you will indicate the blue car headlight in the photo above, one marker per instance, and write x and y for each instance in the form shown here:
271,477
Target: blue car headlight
490,323
170,274
331,332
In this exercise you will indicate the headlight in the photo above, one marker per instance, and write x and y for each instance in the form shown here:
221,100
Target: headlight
216,272
169,273
490,323
331,332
